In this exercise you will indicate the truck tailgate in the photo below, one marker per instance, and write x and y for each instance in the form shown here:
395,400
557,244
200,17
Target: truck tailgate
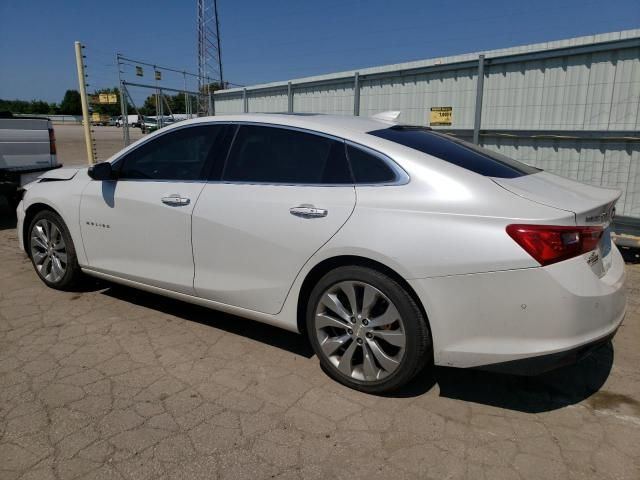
24,144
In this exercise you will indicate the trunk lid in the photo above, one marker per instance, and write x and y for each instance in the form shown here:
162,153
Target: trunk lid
591,206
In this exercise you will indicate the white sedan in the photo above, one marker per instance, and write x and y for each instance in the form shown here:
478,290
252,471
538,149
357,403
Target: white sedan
392,247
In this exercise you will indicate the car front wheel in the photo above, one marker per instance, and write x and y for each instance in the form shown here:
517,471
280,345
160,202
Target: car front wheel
367,331
52,252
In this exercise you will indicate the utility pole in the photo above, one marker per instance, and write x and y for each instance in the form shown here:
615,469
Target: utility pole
187,103
85,104
123,105
479,93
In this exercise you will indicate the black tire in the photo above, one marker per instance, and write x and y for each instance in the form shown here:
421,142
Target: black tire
72,273
418,351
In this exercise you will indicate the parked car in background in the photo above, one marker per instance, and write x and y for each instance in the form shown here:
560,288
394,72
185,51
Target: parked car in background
148,125
132,121
27,149
393,247
113,121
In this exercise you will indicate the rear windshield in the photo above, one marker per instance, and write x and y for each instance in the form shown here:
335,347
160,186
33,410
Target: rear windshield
456,151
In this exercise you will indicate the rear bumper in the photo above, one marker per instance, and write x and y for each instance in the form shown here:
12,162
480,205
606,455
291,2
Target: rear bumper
512,320
537,365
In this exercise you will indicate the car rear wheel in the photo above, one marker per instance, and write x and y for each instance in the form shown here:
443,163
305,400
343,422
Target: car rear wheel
52,252
367,331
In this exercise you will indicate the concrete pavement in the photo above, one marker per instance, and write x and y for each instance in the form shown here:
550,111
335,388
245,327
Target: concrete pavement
115,383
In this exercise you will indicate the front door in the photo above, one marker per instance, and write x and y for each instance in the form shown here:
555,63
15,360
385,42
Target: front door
139,226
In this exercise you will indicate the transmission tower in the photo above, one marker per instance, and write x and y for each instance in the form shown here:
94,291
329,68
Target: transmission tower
209,53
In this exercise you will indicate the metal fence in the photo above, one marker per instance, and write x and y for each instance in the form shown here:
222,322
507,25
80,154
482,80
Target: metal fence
55,118
569,106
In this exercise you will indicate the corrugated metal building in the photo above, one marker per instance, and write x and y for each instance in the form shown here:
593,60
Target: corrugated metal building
568,106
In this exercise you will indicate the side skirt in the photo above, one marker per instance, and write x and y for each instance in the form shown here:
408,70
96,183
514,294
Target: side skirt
223,307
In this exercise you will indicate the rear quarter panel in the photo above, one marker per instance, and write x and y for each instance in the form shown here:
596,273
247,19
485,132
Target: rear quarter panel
443,228
438,227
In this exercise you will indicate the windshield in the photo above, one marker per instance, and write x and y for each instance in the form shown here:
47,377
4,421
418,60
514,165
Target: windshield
453,150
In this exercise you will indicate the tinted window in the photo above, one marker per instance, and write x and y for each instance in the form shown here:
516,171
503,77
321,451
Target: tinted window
178,155
278,155
461,153
369,168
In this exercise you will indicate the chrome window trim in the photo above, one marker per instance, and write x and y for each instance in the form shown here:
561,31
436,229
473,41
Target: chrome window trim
402,177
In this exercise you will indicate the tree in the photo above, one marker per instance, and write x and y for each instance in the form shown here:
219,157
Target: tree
33,106
38,106
149,106
71,104
176,104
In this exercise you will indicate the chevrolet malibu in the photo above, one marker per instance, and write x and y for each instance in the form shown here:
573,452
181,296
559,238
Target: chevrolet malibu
393,247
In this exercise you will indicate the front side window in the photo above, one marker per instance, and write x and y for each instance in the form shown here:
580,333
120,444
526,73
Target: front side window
456,151
177,155
263,154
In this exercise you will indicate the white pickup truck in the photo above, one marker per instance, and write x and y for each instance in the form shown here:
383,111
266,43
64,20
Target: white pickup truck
27,148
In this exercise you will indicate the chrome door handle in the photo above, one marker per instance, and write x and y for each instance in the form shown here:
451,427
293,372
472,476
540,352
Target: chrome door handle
308,211
176,200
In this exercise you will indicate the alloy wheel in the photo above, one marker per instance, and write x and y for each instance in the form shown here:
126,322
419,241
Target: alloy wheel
48,250
360,331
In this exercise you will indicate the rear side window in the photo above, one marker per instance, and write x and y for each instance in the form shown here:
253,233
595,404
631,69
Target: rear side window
369,168
456,151
279,155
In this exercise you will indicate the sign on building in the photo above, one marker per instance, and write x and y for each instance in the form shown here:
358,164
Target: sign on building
441,116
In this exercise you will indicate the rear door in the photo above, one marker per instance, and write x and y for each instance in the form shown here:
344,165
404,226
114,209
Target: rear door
283,194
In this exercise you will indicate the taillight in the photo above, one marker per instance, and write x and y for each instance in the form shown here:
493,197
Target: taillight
550,244
52,142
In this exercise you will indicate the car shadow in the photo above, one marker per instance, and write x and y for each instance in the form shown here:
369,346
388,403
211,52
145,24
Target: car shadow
530,394
630,254
260,332
550,391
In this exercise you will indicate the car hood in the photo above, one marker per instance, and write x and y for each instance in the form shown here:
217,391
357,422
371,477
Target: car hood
57,175
590,204
60,174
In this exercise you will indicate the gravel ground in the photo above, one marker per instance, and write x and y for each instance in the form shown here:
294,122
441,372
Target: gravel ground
110,382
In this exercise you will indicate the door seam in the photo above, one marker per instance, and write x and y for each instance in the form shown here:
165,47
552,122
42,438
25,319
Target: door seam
286,297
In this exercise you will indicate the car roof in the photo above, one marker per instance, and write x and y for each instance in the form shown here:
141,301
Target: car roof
337,125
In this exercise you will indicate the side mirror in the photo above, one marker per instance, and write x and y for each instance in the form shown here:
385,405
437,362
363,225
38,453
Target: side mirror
102,171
